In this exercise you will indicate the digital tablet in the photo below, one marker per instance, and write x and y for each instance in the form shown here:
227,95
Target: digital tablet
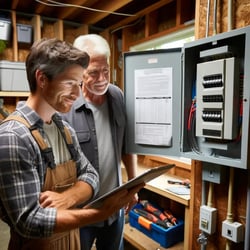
144,177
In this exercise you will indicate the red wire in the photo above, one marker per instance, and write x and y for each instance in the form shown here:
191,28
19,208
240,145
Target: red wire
191,112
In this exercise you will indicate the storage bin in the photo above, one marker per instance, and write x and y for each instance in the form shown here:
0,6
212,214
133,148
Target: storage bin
166,237
24,33
5,30
13,76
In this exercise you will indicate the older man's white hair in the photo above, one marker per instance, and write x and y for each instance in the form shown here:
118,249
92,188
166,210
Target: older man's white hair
93,44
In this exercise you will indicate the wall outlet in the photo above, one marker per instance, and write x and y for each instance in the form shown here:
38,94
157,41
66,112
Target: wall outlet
233,231
208,216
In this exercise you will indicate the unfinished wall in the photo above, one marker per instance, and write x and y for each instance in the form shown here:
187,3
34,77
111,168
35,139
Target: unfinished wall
240,18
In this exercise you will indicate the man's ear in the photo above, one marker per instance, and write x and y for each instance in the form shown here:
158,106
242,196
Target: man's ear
40,78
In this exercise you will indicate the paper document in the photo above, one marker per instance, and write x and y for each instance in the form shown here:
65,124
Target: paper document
153,106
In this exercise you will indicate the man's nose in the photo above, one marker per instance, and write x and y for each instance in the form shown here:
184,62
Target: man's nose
76,89
102,76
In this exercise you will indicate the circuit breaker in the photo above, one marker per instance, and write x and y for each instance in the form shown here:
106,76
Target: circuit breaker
217,99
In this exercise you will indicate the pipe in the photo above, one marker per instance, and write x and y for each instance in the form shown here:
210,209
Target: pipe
230,203
230,196
203,193
210,194
215,18
208,14
229,15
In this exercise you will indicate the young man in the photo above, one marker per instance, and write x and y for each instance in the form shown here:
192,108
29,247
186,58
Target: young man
99,119
44,175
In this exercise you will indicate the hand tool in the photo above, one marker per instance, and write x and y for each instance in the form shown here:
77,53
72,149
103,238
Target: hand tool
170,217
155,211
184,182
150,217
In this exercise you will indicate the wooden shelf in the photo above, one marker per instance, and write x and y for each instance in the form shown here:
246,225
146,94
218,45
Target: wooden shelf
13,94
143,242
160,184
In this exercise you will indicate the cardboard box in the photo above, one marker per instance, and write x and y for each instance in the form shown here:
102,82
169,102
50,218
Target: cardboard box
5,30
13,76
166,237
24,33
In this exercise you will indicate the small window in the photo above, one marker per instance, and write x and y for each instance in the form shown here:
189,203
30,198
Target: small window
173,40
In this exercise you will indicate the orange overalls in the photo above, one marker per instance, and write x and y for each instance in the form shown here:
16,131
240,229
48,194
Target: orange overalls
57,179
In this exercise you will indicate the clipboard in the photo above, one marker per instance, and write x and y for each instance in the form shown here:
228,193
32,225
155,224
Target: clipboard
144,177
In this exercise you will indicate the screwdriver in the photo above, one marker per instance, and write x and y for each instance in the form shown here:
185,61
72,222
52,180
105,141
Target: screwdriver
157,212
170,217
185,182
150,217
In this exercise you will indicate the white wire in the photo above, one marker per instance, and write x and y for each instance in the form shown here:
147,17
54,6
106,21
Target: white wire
126,26
58,4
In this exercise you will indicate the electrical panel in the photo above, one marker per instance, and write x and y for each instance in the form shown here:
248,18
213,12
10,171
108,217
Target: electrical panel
192,102
216,84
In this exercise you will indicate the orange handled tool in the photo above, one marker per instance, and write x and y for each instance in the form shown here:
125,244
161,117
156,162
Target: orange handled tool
170,217
150,217
157,212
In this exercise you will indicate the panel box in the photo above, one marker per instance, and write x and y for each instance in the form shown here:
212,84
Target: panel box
216,84
5,30
24,33
13,76
206,109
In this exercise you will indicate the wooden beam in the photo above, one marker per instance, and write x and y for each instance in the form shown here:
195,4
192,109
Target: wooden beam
111,6
63,13
14,4
89,16
197,19
40,8
139,14
36,23
14,37
58,28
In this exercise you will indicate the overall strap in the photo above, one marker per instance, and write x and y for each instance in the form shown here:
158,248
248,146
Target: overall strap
36,134
45,149
70,144
68,135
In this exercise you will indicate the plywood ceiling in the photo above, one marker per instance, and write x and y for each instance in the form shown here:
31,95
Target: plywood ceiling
100,14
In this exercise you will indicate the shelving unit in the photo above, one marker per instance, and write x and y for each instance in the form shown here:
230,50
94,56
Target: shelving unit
41,27
13,94
10,99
